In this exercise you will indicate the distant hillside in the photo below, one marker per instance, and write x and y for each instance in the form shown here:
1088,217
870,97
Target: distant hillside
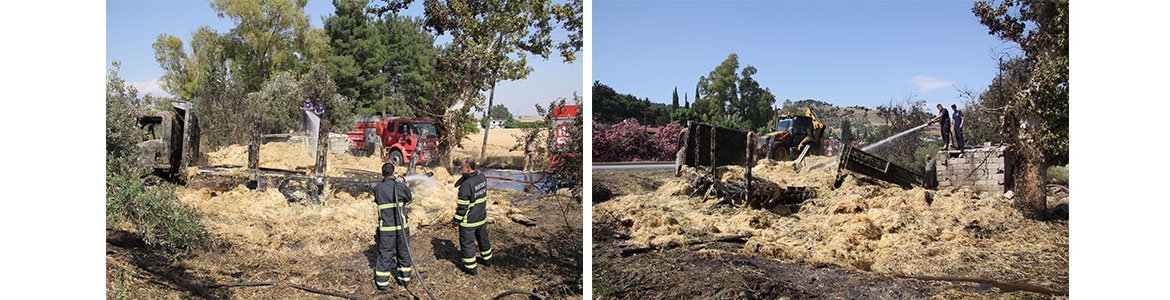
831,115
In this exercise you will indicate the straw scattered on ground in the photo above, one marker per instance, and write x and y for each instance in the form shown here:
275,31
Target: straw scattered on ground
865,224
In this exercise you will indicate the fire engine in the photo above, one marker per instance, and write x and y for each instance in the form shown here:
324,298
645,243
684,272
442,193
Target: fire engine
395,140
563,117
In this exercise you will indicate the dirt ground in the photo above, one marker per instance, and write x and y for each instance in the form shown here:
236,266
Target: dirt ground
259,236
545,258
859,241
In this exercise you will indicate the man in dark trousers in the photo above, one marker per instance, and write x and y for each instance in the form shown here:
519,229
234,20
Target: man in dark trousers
944,121
471,214
392,196
957,119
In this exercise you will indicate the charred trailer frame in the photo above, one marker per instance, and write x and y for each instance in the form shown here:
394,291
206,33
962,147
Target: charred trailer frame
856,160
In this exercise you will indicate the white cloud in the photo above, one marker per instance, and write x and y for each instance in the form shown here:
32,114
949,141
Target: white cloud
151,87
927,83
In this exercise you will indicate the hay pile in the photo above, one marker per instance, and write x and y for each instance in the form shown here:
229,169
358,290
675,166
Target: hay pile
266,224
867,225
291,157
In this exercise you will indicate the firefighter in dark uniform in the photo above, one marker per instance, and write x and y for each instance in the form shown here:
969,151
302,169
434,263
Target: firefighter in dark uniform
392,197
471,214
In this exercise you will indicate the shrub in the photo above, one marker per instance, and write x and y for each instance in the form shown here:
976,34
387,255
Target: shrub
665,144
630,141
153,212
150,209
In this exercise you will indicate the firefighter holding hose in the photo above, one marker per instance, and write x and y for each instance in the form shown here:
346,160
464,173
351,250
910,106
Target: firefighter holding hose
470,216
392,196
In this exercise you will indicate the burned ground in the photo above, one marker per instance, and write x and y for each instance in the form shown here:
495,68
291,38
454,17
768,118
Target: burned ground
872,234
545,258
262,237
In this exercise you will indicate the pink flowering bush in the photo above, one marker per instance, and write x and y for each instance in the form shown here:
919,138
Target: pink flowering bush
666,142
629,141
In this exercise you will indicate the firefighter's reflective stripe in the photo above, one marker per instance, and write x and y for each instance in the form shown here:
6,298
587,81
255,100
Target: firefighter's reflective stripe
486,254
405,269
383,283
469,207
404,278
462,202
380,273
469,263
390,228
388,205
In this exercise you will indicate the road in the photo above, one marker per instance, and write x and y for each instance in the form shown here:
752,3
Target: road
618,166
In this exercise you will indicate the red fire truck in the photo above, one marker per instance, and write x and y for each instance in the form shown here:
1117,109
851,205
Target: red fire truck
396,140
563,117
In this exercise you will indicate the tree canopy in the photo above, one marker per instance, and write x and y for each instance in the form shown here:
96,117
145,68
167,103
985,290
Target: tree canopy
731,99
490,42
379,61
1030,93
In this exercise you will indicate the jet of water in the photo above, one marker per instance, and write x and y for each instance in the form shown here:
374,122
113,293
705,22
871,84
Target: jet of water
871,146
883,141
415,180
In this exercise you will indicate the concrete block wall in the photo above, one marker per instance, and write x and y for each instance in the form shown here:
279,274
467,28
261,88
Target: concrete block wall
985,169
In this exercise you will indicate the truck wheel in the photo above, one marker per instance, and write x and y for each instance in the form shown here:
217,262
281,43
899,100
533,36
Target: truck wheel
396,158
781,153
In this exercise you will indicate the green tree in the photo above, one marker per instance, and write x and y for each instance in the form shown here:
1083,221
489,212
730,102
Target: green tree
755,103
716,90
316,84
500,112
356,57
275,98
490,42
379,62
1035,117
728,98
674,103
268,37
609,107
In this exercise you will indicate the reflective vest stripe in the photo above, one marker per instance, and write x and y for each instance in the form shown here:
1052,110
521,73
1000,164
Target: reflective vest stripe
388,205
464,223
378,273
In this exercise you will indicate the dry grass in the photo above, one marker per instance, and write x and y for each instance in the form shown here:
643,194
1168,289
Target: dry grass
291,157
499,143
264,223
864,225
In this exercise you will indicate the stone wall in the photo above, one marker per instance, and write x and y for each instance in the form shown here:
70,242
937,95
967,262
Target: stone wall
985,169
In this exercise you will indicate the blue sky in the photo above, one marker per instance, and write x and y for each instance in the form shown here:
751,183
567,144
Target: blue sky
842,52
133,25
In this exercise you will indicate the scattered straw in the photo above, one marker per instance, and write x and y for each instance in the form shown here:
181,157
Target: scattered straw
865,224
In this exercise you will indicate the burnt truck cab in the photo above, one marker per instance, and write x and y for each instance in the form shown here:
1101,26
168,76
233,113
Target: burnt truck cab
402,139
170,138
